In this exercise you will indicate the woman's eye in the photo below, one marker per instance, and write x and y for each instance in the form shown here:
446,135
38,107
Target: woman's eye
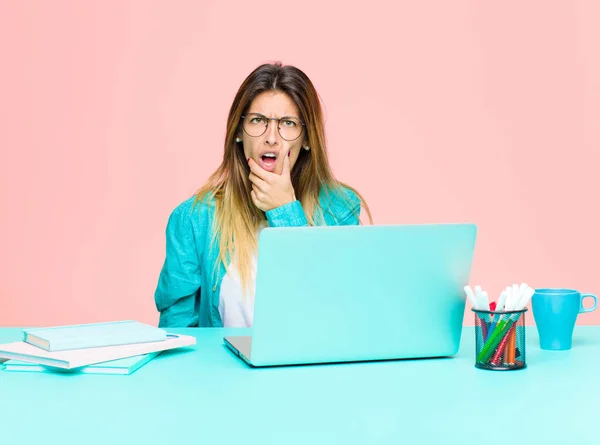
257,120
290,123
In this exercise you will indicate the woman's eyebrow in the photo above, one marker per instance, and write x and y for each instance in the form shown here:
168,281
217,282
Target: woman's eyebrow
260,114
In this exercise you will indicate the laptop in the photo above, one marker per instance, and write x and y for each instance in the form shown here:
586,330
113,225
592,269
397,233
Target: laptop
334,294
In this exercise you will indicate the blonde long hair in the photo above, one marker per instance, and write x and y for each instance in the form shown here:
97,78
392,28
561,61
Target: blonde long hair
237,219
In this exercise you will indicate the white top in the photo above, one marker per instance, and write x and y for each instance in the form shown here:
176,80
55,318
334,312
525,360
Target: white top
237,309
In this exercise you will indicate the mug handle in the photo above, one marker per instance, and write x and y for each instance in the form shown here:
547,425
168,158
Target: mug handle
582,309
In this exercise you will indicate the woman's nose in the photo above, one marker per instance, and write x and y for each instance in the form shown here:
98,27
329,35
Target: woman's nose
272,135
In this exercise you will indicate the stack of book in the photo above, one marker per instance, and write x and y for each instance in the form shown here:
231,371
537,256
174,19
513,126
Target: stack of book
119,347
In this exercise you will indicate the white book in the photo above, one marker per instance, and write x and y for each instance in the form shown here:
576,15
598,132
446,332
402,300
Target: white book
121,366
81,357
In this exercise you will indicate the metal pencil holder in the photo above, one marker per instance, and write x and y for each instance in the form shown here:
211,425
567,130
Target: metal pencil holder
500,340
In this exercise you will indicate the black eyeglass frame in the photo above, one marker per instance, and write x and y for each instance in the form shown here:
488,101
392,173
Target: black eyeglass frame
244,116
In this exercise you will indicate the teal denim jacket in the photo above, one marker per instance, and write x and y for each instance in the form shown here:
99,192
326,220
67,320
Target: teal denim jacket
187,294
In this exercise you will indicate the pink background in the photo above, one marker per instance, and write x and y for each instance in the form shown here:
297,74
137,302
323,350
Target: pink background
111,113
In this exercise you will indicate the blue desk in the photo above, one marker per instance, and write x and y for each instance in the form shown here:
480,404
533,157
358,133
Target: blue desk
207,395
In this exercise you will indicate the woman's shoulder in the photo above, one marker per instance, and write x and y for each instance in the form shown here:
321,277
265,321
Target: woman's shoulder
339,195
192,211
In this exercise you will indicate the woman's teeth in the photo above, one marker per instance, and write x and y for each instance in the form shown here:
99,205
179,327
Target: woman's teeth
268,161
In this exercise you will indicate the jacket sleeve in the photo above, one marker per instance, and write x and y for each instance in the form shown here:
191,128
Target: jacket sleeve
290,214
178,291
339,211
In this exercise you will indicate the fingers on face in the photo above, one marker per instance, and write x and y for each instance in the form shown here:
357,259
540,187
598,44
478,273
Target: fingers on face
258,183
258,171
254,198
257,194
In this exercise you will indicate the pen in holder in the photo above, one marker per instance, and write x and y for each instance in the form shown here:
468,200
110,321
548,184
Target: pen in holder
500,340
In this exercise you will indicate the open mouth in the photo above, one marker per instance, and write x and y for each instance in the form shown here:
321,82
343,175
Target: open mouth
268,161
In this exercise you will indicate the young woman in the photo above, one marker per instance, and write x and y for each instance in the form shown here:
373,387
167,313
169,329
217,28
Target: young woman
274,173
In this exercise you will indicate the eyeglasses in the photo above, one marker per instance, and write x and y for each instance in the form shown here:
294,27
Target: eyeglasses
255,125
